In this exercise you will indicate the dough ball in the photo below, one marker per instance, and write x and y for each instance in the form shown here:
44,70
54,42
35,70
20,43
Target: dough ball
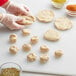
13,49
13,38
26,32
26,47
44,48
34,40
58,53
44,58
31,57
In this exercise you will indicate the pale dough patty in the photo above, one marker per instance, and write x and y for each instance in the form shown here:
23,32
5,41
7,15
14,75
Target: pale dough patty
28,20
63,23
45,16
52,35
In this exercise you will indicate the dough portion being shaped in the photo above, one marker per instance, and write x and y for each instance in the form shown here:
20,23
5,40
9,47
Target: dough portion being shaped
45,16
28,20
63,23
52,35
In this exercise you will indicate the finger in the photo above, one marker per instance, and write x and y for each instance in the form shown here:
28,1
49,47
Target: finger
26,8
17,26
24,12
19,19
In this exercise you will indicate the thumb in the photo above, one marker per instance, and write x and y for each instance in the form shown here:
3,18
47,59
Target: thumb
20,20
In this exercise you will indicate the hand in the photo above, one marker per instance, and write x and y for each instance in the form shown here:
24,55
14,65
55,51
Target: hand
17,9
10,21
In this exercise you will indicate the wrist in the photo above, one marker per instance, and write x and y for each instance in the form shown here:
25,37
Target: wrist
6,4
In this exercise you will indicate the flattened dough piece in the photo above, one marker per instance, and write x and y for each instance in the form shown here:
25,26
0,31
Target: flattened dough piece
52,35
28,20
45,16
63,23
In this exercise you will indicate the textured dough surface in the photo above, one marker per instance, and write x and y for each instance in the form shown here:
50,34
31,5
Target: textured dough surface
45,16
63,23
28,20
52,35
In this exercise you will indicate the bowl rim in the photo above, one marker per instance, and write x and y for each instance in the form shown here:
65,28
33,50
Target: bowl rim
12,63
63,2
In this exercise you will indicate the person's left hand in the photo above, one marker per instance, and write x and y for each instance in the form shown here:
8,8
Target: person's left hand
17,9
10,21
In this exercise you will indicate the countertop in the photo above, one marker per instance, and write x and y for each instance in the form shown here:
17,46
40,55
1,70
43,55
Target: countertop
65,65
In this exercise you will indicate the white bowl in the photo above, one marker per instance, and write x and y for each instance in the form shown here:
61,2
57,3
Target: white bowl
58,5
71,13
11,65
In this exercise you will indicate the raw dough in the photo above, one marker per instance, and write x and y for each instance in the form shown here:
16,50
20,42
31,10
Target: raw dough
26,47
13,49
31,57
52,35
58,53
34,40
28,20
45,16
44,48
63,23
13,38
25,32
44,58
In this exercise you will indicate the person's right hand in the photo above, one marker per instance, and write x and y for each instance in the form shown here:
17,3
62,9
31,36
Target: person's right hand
10,21
17,9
